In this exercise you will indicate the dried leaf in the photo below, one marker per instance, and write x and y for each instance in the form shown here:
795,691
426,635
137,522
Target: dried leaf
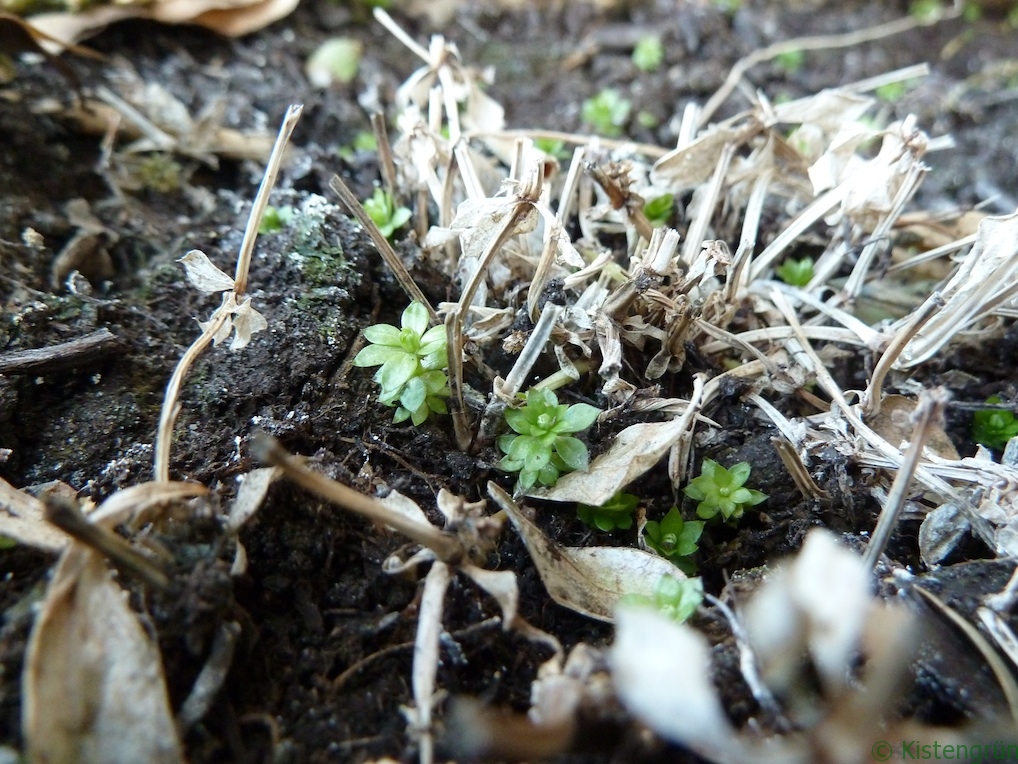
636,449
21,519
818,603
232,18
990,267
93,687
204,274
689,166
588,580
662,673
252,491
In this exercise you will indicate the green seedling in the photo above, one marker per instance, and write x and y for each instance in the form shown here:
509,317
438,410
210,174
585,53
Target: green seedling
924,10
275,219
723,491
674,539
796,272
993,428
383,211
659,209
617,512
543,448
364,140
677,598
413,361
791,61
606,112
648,53
552,147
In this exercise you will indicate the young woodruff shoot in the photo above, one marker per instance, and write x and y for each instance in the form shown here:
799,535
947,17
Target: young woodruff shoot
543,448
413,361
723,491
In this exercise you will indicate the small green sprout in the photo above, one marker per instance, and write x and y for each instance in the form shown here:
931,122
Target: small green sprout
383,210
924,10
606,112
796,272
676,598
363,140
892,92
659,209
723,490
993,428
413,361
275,219
648,53
552,147
674,539
543,449
647,119
791,60
617,512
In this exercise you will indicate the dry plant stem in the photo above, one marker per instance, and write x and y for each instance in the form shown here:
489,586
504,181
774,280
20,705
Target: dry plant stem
698,227
385,163
518,374
211,677
644,149
65,514
748,664
872,396
81,352
445,546
261,201
406,281
800,475
929,409
454,354
908,188
171,407
819,42
425,663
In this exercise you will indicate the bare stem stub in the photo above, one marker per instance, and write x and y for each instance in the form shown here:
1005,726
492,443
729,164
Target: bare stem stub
211,331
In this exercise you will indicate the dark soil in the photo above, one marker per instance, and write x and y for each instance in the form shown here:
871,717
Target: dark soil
314,602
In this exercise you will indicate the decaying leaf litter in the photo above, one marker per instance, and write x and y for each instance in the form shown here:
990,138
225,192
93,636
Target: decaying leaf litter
632,307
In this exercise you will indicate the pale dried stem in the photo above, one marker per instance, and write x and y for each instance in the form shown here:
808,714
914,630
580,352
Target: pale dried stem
454,354
817,42
261,201
385,163
880,234
445,546
872,396
170,408
403,277
698,227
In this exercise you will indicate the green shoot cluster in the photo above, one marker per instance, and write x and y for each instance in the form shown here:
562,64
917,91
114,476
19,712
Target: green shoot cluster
796,272
606,113
543,447
722,491
659,209
617,512
993,428
382,209
674,539
676,598
413,361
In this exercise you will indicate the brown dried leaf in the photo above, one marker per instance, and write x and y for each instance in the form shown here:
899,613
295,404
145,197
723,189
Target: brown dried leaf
21,519
93,687
587,580
636,449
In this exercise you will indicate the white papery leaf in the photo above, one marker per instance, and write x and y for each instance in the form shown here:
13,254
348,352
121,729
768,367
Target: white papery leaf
93,685
588,580
246,321
819,601
203,273
636,449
